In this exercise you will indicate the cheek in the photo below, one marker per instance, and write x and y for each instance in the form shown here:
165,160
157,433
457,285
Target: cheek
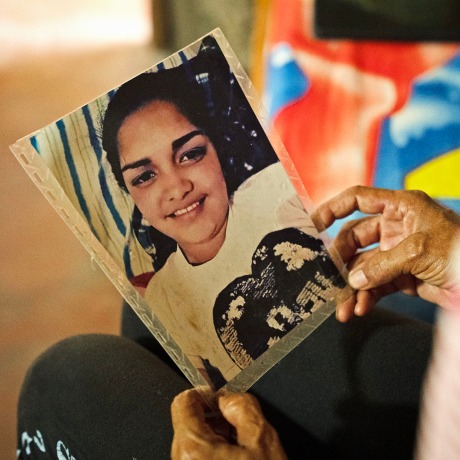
147,202
219,188
217,181
223,189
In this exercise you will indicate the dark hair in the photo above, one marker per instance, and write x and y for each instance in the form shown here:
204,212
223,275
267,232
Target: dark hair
165,85
204,90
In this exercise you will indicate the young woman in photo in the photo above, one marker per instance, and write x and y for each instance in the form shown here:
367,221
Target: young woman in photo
238,262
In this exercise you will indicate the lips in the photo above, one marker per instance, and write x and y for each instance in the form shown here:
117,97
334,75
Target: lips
187,209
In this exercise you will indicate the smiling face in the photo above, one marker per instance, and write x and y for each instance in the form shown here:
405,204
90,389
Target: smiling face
173,174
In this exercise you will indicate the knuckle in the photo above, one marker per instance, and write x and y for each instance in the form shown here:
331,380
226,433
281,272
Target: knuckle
249,398
417,197
261,432
348,225
419,194
240,398
408,201
178,401
189,450
416,246
358,189
375,270
244,400
236,400
450,216
357,192
268,437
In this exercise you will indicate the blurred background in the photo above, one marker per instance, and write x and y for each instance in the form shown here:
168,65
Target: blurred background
372,111
55,57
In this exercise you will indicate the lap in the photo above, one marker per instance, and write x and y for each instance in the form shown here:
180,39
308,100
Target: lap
100,396
354,387
351,388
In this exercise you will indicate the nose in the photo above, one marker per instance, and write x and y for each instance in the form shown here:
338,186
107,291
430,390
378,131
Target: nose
177,186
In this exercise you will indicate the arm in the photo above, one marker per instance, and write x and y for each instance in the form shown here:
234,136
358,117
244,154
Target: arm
416,238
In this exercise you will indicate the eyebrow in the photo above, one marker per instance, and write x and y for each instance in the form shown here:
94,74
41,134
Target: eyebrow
176,145
136,164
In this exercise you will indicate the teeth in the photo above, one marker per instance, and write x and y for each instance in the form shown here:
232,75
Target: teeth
179,212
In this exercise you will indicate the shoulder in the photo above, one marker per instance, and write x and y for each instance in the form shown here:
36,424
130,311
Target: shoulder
272,181
271,201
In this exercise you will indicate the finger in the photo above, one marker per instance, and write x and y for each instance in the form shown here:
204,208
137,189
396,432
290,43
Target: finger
346,304
359,259
362,303
407,284
243,411
357,234
345,309
366,300
383,267
187,411
359,198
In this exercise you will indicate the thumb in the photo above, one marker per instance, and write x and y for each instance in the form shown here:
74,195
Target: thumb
243,411
254,434
385,266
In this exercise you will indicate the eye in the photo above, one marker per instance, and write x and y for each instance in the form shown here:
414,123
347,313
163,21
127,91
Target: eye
195,154
143,178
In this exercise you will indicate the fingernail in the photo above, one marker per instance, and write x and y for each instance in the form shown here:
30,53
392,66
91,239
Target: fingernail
357,279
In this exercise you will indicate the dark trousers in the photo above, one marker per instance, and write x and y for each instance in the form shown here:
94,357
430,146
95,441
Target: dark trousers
347,392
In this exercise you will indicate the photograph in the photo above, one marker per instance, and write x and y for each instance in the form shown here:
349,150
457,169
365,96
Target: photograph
178,181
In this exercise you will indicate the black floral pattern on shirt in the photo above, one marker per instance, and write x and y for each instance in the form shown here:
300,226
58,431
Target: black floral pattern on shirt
292,273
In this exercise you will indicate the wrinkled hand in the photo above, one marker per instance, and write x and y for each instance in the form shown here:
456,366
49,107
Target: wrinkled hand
416,239
194,438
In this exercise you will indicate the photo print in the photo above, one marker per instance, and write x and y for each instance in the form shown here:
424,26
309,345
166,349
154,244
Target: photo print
177,187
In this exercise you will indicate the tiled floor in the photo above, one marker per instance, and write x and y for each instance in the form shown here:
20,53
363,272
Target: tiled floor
49,288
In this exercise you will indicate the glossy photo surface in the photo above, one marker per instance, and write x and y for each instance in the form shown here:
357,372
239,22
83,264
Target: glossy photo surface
194,211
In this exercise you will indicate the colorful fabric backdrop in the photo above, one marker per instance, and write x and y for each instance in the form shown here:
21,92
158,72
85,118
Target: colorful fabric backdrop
72,149
372,113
